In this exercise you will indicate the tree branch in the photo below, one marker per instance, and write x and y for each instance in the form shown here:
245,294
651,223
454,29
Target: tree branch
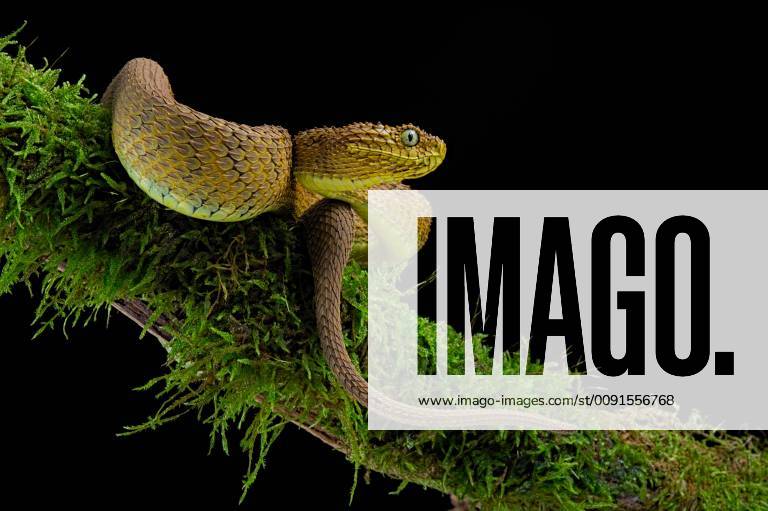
139,313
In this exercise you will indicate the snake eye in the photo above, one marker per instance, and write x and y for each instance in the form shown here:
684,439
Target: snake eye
409,137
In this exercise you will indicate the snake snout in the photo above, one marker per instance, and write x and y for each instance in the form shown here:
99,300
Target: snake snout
435,158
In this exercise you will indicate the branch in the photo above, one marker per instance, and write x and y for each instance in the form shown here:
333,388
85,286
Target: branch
139,313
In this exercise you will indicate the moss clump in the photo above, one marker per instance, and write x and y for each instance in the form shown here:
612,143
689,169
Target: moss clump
239,299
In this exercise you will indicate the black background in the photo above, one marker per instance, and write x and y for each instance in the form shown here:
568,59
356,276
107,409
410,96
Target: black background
522,99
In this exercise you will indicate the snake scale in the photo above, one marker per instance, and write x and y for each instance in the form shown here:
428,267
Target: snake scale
214,169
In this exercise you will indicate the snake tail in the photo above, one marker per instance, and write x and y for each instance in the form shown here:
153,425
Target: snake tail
330,227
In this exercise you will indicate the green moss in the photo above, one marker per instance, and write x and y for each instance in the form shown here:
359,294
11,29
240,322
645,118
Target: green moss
240,298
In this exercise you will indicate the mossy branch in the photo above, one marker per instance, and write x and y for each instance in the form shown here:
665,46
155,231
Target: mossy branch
140,314
232,304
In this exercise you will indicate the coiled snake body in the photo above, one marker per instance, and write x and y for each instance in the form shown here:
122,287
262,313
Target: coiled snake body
218,170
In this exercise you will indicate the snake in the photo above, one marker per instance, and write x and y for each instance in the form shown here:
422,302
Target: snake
213,169
218,170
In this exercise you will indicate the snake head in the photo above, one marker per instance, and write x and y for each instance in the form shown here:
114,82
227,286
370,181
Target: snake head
359,156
